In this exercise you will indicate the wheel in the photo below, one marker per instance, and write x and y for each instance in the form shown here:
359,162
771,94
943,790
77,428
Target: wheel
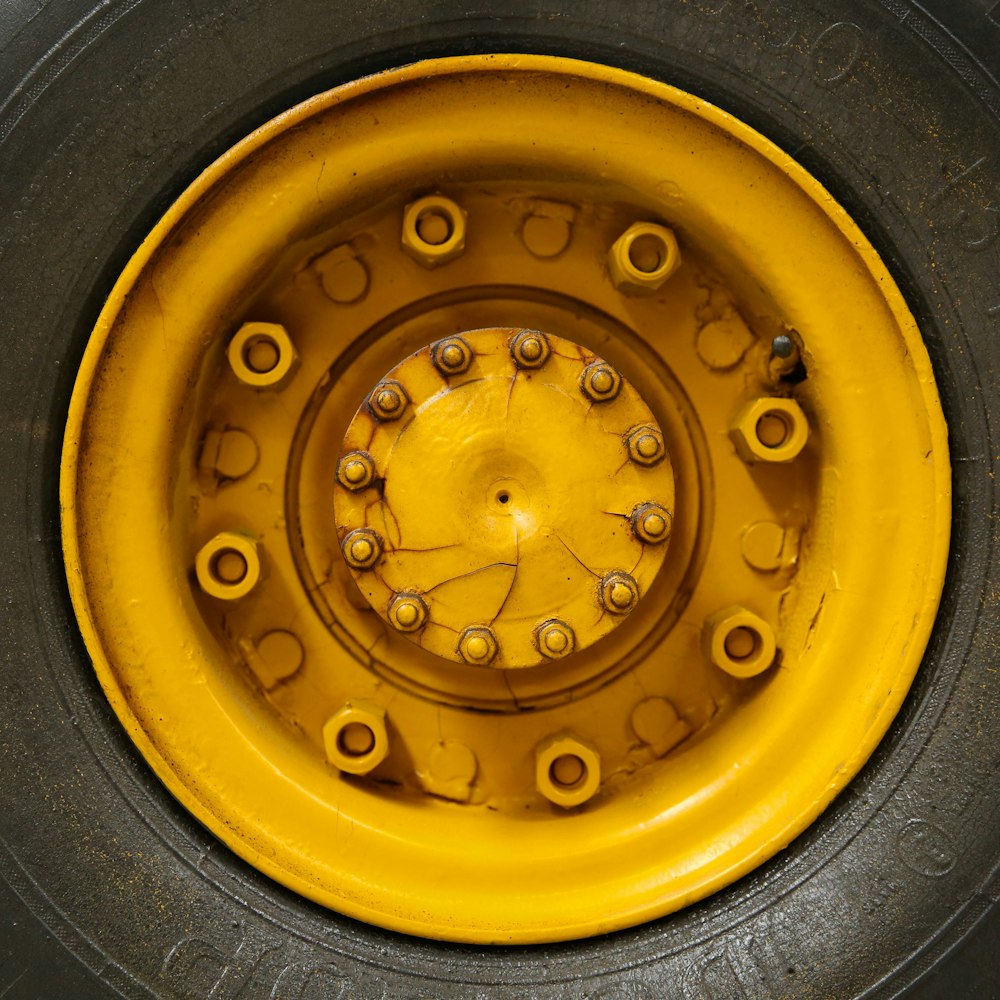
505,500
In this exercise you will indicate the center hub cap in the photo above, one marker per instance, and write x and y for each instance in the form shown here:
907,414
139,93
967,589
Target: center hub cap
504,498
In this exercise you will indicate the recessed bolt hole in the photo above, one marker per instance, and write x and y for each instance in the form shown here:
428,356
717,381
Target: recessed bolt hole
773,429
229,567
434,227
567,770
261,355
647,253
503,497
356,740
741,643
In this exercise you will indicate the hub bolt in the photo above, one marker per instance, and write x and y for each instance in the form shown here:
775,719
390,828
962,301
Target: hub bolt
407,612
555,639
651,523
361,548
600,382
478,645
356,471
530,349
451,357
645,446
619,593
388,401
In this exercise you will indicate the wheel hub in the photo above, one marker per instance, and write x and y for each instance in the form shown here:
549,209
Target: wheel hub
511,494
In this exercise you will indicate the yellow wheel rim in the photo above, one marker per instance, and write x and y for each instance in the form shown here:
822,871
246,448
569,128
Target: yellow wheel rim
238,490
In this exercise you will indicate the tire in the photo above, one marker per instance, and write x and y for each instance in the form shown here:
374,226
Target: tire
109,888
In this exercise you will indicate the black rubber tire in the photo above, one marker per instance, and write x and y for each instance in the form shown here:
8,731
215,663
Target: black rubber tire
108,888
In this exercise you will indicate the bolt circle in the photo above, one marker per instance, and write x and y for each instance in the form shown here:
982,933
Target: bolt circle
555,639
356,471
619,593
645,446
651,523
451,357
478,646
408,612
530,349
388,401
361,548
600,382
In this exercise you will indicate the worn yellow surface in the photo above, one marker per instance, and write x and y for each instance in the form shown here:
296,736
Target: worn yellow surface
253,710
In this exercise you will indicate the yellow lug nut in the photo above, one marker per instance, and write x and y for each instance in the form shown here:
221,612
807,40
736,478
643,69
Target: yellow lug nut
361,548
356,471
452,356
770,429
600,382
739,642
228,566
530,349
567,770
388,400
433,230
408,612
555,639
619,593
651,523
355,738
262,355
478,645
643,258
645,446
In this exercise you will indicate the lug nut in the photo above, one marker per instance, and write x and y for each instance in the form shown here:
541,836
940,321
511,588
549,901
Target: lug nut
433,230
478,645
355,738
567,770
770,429
361,548
451,357
619,593
645,445
739,642
530,349
554,639
356,471
228,566
600,382
642,258
407,612
261,355
651,523
388,401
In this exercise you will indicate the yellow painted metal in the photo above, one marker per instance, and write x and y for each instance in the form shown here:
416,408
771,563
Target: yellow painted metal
503,496
312,734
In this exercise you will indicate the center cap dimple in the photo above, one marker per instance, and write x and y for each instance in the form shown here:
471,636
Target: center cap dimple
511,496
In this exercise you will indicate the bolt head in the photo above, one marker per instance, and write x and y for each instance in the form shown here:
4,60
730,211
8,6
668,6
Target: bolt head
739,642
530,349
388,401
651,523
645,446
478,646
361,548
619,593
452,356
554,639
408,612
356,471
227,566
770,429
600,383
567,770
